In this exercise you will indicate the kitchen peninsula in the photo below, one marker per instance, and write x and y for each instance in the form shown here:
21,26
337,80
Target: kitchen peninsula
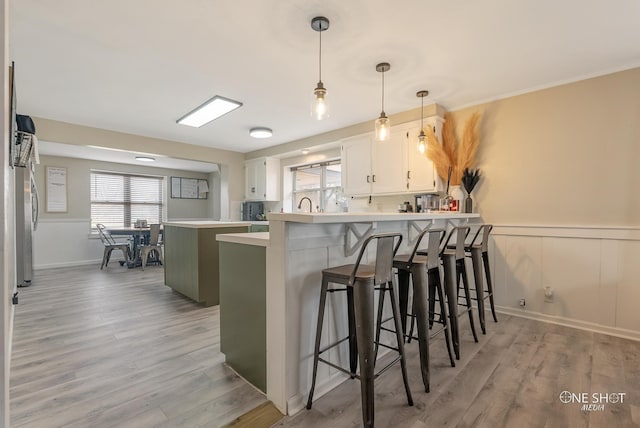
191,257
299,247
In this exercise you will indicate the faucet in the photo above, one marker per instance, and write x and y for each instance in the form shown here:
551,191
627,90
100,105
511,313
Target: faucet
310,204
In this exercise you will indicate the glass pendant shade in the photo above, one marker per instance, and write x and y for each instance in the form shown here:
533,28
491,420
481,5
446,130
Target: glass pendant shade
422,138
383,128
422,142
319,103
383,124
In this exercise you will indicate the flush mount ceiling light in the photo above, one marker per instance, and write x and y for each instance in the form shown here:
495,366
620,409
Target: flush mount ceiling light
383,125
145,159
319,104
422,140
212,109
260,132
305,151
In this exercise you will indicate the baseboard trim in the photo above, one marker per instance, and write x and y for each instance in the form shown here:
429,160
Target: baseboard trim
567,322
69,264
298,401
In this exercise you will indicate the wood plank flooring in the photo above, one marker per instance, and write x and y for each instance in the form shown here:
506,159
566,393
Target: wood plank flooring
512,378
117,348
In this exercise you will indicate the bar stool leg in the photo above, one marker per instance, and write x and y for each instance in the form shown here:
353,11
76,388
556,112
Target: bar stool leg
353,345
379,321
363,302
476,259
316,352
403,297
400,340
420,284
450,288
487,271
434,278
463,272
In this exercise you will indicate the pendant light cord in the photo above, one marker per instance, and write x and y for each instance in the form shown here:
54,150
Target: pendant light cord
383,91
320,56
422,114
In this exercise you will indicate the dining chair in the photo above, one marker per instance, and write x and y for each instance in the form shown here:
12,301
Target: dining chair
154,246
111,244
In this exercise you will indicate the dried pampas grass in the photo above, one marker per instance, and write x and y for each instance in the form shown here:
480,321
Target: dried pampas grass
448,154
450,146
470,142
436,153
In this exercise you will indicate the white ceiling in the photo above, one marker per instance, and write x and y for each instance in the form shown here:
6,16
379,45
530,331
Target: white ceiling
138,66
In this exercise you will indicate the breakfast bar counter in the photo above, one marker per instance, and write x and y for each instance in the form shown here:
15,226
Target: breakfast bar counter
300,247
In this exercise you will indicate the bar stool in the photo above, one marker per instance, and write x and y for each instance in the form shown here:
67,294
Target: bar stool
425,275
455,277
480,258
435,286
361,280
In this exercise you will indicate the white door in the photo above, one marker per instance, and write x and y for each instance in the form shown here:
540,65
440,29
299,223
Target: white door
356,165
389,166
421,173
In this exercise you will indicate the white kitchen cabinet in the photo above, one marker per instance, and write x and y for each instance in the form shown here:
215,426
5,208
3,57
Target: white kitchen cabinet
421,175
356,153
262,179
396,166
372,167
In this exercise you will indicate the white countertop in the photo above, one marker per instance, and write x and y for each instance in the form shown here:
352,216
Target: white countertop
206,224
260,239
359,217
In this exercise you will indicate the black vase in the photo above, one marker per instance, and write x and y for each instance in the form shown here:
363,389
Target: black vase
468,204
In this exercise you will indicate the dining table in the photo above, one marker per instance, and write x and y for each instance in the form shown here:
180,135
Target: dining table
139,236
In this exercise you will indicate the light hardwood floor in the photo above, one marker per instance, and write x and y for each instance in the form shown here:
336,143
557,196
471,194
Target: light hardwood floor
512,378
119,349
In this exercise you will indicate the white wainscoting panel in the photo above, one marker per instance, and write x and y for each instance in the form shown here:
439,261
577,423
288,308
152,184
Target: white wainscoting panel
594,274
61,243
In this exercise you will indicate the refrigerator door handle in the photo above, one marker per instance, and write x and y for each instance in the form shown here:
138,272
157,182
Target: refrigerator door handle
35,206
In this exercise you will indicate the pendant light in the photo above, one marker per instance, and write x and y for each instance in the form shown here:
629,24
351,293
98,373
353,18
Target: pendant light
422,140
319,105
383,125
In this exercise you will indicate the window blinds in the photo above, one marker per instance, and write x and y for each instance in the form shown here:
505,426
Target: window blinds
118,200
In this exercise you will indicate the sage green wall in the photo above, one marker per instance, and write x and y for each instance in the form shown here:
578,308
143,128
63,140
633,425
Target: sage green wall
79,198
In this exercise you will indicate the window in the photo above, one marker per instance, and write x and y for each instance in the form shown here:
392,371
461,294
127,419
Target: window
118,200
321,183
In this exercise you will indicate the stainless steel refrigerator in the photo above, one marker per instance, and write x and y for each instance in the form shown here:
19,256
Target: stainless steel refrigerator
26,222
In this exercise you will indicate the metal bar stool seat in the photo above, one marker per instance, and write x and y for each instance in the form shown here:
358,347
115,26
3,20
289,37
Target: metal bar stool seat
359,282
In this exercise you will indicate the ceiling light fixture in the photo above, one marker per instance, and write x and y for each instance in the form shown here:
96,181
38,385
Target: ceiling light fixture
211,110
422,141
319,105
305,151
145,159
260,132
383,124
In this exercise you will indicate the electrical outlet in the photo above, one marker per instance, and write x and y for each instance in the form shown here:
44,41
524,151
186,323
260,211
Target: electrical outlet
522,303
548,294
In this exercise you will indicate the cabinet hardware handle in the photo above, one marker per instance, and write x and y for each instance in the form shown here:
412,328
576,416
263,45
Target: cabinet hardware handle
374,178
368,179
408,175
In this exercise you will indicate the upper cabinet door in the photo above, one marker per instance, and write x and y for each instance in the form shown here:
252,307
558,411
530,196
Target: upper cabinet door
356,165
389,163
262,179
421,173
